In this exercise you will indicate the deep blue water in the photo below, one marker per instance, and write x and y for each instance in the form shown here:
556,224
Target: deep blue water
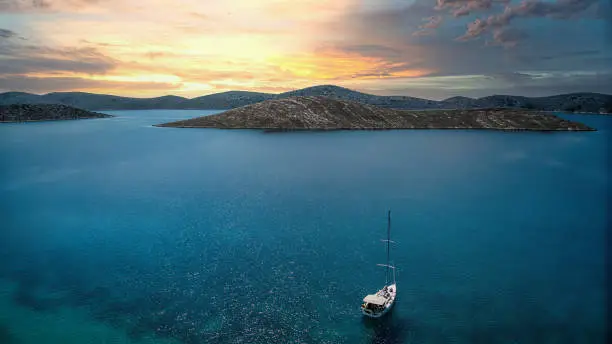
116,231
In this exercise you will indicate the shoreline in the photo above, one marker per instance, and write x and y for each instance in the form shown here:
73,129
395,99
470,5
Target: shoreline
580,113
279,130
403,109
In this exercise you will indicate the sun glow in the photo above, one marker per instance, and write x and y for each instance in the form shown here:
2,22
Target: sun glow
136,48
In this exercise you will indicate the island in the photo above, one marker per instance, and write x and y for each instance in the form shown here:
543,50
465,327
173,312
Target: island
323,113
582,102
44,112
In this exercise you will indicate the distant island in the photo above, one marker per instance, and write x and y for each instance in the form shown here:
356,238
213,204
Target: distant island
574,102
44,112
322,113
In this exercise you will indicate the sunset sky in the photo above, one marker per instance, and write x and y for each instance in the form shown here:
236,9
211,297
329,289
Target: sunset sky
419,48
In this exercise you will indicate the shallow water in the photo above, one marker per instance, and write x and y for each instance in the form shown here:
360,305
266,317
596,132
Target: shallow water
114,231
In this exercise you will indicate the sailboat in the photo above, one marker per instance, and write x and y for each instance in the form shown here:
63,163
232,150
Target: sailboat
377,305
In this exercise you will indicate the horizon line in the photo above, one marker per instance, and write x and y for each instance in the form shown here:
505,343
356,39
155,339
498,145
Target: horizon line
298,89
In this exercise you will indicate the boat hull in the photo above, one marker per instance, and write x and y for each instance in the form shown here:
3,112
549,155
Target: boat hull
379,314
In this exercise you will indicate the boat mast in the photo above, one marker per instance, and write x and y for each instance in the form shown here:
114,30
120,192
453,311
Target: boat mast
388,240
388,244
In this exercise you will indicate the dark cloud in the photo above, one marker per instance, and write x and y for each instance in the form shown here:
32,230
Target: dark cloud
432,22
43,6
461,8
39,64
47,84
23,5
508,37
555,47
560,9
4,33
422,17
544,51
382,24
27,58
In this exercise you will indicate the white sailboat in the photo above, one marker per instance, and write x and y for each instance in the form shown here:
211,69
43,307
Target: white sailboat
377,305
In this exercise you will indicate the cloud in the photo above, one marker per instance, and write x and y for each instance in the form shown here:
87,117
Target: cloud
508,37
370,49
18,58
442,56
384,24
461,8
386,45
23,5
45,6
560,9
433,22
336,63
57,84
23,59
513,77
4,33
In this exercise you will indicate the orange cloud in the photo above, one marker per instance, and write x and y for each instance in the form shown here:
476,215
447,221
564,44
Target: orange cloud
333,64
201,47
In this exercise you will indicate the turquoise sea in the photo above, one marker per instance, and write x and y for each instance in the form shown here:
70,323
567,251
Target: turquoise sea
114,231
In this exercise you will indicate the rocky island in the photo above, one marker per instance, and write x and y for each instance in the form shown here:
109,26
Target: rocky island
44,112
322,113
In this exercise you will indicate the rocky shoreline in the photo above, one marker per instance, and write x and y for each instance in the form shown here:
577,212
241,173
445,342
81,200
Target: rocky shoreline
323,114
17,113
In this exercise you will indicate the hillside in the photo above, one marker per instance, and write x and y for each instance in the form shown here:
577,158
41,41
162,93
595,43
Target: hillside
322,113
574,102
341,93
227,100
44,112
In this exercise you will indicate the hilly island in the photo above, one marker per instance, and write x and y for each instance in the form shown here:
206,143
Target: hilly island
323,113
573,102
44,112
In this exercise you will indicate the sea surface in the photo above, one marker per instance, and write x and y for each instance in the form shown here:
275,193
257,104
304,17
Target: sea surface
114,231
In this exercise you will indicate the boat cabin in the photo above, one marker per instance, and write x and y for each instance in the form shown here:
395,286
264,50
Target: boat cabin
373,304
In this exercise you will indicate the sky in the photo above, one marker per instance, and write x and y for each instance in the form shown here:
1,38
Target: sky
422,48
